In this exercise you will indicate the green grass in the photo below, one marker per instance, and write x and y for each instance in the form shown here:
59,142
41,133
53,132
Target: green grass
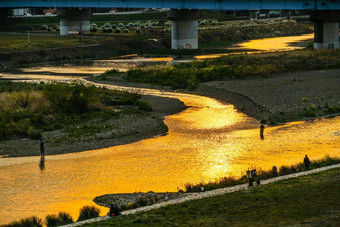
26,110
310,200
188,75
19,43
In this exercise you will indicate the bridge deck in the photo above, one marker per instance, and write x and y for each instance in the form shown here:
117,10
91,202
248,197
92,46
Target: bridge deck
180,4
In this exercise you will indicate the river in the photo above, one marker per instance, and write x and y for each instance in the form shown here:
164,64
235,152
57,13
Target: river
207,141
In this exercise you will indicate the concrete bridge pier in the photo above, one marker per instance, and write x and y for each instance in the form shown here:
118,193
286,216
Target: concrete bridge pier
74,20
184,31
254,14
326,29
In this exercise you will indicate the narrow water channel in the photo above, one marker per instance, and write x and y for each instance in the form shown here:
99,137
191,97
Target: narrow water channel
207,141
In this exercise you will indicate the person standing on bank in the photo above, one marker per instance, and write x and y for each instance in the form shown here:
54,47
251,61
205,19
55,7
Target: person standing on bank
261,131
306,162
42,147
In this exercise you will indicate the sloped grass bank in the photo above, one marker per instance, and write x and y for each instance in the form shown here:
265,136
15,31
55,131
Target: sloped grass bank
309,200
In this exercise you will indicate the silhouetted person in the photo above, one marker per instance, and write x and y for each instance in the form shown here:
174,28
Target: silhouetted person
306,162
114,210
42,147
261,131
274,170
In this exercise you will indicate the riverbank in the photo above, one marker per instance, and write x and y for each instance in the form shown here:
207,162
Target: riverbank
306,200
282,97
128,128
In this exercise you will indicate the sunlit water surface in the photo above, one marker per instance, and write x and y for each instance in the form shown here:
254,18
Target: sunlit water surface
207,141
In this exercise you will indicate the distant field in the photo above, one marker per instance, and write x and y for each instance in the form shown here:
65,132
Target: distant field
19,42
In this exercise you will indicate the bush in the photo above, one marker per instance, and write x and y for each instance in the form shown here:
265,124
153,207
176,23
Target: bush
75,98
26,222
126,30
107,25
44,27
93,29
34,134
88,212
94,25
51,220
107,30
121,25
57,220
117,30
138,31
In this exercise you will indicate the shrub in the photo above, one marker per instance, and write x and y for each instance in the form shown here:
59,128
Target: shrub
138,31
74,98
126,30
117,30
21,99
88,212
34,134
155,23
143,105
26,222
65,218
107,30
121,25
284,170
44,27
114,26
107,25
57,220
51,220
93,29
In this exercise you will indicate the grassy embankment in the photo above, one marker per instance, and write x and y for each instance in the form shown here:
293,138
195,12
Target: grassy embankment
28,110
309,200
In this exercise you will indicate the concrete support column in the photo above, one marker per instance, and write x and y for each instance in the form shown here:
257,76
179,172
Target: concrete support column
326,29
184,31
286,14
254,14
74,20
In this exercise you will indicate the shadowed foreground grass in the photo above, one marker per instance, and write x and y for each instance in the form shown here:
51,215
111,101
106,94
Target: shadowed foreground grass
311,200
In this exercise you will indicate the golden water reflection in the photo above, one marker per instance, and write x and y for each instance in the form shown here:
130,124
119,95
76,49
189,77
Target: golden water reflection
197,149
207,141
264,45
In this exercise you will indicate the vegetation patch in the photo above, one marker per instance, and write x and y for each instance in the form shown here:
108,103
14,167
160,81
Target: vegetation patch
188,75
27,110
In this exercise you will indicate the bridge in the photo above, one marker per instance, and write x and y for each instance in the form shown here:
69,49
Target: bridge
184,14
